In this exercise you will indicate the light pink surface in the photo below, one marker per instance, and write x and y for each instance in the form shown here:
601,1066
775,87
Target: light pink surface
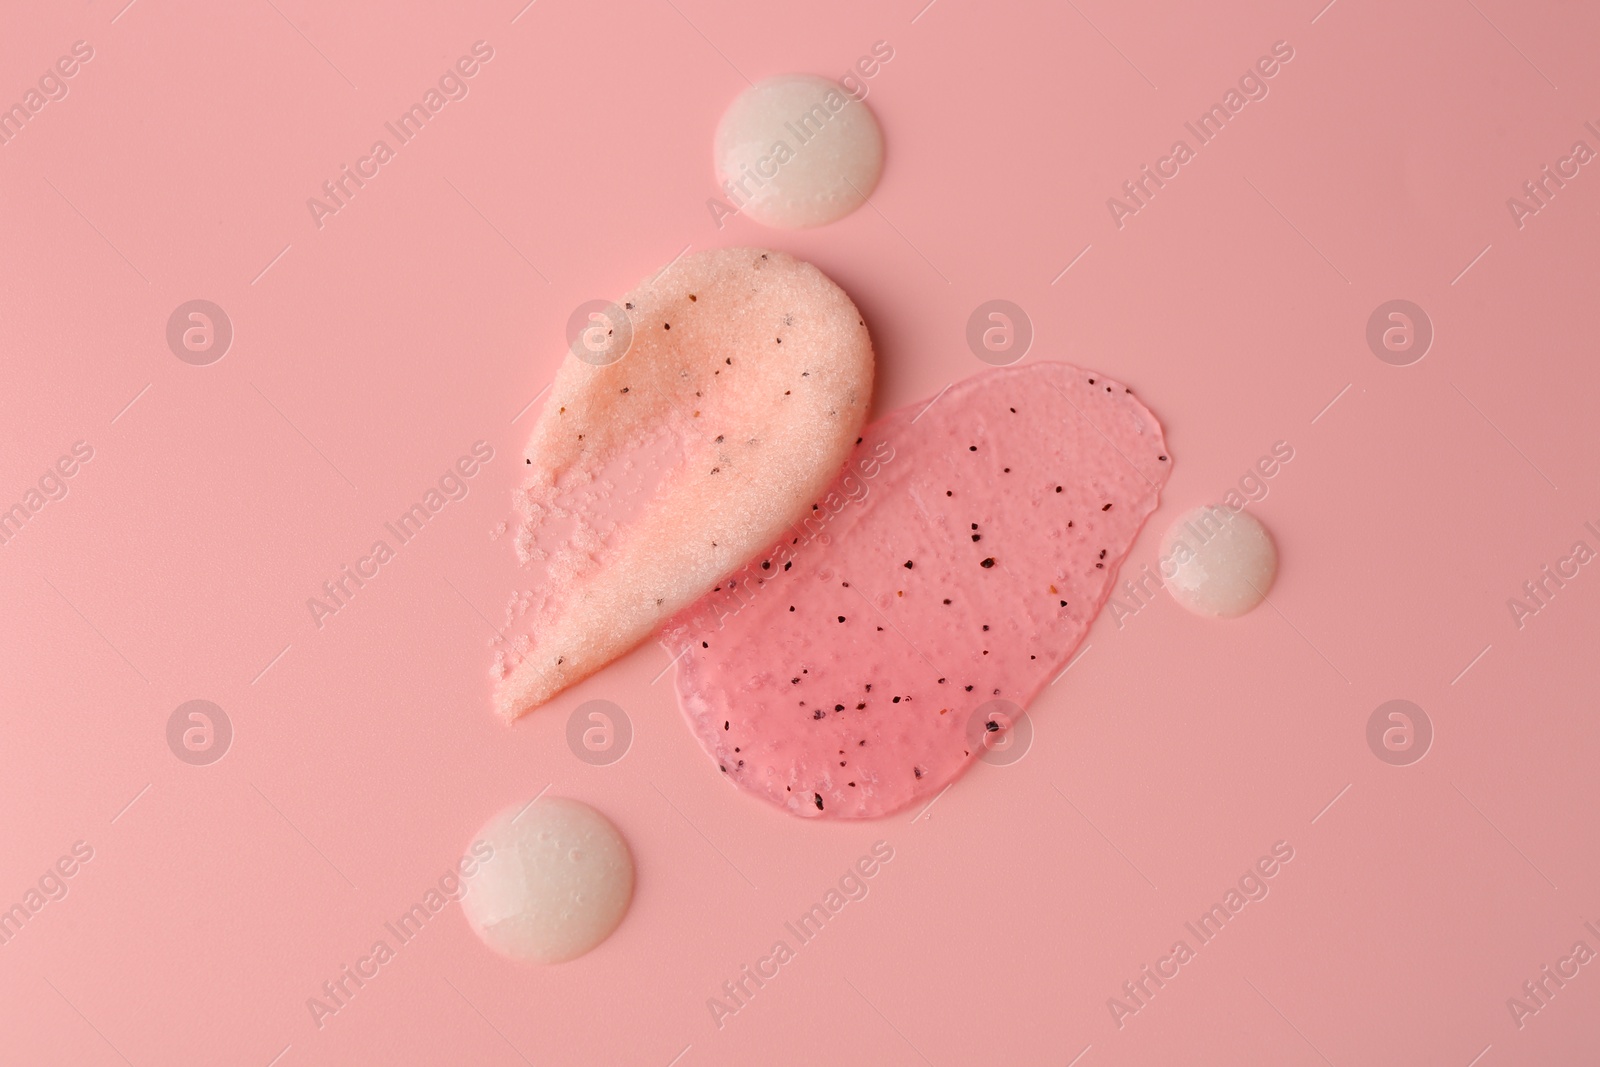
1168,761
854,667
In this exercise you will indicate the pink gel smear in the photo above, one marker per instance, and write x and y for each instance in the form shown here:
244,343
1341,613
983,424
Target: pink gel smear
954,565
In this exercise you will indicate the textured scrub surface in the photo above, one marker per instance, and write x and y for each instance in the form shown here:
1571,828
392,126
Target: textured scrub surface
853,667
649,478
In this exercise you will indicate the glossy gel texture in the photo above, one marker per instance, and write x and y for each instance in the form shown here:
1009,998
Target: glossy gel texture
958,560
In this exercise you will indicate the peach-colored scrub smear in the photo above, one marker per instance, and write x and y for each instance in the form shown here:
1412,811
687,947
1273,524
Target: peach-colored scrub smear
747,380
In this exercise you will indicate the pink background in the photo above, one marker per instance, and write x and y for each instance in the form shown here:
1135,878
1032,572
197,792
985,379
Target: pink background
427,314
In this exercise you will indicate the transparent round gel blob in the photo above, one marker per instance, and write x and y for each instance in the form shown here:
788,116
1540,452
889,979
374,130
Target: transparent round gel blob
1225,561
558,882
797,150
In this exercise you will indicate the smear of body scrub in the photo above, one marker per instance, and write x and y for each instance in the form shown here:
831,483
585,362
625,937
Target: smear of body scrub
854,668
660,464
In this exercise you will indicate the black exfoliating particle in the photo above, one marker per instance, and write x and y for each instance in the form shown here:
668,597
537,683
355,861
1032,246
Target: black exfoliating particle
818,798
987,563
